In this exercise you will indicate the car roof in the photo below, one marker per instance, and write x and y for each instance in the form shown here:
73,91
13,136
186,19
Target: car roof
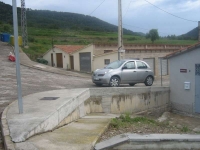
130,59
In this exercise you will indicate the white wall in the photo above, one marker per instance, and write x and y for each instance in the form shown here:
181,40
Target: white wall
181,99
99,61
66,61
77,59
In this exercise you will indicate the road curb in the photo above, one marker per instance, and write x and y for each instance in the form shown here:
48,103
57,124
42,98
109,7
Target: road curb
128,137
8,144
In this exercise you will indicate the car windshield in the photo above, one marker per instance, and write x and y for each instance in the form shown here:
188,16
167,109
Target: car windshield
115,64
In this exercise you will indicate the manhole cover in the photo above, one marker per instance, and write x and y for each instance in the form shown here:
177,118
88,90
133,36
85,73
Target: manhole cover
49,98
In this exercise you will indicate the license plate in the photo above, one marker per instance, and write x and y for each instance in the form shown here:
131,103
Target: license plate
96,78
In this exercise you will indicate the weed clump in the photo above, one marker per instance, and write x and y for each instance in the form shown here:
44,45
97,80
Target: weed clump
126,120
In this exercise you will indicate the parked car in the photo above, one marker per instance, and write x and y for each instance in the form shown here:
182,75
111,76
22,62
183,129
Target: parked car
124,72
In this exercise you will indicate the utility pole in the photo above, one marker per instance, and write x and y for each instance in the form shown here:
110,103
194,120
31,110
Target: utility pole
24,24
199,30
19,89
120,42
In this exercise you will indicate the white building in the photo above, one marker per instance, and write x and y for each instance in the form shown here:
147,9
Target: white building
184,66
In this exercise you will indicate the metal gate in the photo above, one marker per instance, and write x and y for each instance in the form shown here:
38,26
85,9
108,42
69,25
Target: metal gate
164,66
85,61
151,63
197,88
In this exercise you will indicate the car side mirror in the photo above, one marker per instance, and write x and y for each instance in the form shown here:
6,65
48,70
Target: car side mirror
124,67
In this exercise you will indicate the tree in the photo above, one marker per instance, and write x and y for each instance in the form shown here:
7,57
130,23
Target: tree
153,35
7,28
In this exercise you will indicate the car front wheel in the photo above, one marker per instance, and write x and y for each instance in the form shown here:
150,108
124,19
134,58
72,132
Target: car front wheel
149,81
114,82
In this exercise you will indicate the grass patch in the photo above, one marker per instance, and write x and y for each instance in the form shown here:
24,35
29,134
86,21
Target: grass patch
126,120
185,129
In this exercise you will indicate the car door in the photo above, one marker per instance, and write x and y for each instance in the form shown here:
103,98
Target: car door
142,71
128,74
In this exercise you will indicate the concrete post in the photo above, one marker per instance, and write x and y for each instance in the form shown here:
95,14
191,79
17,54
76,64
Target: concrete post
119,28
18,74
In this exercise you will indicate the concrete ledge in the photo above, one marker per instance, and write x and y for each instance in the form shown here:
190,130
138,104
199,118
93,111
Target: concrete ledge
146,138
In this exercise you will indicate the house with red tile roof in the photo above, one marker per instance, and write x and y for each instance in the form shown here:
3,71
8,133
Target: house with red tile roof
79,57
59,55
184,68
87,58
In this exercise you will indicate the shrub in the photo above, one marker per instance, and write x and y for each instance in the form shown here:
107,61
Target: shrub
42,61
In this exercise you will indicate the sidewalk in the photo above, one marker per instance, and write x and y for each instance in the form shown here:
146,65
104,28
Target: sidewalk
79,135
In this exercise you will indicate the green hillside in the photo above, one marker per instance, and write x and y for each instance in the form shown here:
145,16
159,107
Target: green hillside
193,34
47,28
59,20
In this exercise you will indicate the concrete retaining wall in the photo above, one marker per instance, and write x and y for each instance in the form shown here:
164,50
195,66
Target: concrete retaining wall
121,100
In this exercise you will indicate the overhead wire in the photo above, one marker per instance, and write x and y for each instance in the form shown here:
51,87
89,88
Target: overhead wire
169,12
160,9
97,7
127,8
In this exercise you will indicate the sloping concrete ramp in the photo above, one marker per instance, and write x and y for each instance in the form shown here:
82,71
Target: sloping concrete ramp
43,112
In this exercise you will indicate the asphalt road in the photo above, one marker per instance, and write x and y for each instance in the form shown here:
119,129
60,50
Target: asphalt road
32,80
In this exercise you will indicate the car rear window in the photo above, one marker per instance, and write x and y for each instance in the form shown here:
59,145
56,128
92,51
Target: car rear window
115,64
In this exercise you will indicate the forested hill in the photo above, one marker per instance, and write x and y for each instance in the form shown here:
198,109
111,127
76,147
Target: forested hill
55,20
193,34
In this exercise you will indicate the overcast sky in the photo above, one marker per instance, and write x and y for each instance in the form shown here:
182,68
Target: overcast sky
138,15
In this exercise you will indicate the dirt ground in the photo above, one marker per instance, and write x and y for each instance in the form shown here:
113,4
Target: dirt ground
167,123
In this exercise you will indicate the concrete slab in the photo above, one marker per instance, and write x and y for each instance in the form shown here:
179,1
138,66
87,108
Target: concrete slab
79,135
112,142
42,115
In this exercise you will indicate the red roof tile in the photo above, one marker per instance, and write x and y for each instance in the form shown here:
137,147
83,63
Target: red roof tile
69,48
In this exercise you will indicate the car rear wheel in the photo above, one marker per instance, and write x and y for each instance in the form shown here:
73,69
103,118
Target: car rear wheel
131,84
149,81
114,82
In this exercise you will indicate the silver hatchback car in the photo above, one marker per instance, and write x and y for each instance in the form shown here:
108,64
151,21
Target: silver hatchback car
124,72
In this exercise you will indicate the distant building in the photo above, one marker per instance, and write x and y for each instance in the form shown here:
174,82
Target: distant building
59,56
91,57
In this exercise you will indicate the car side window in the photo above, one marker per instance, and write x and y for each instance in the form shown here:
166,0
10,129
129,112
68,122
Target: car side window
141,65
130,65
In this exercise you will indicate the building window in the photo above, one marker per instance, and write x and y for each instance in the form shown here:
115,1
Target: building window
106,61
